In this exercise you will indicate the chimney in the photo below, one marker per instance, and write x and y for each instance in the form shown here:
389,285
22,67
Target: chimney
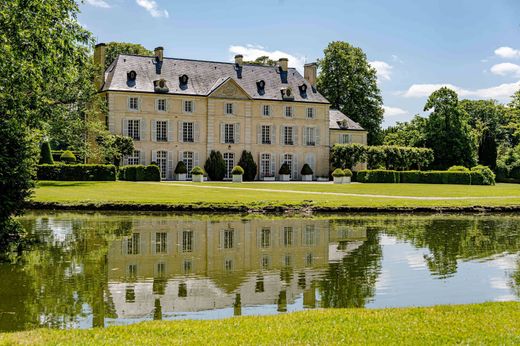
159,54
99,61
310,73
239,60
284,64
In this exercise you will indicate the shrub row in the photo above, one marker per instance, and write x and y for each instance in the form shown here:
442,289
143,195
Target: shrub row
76,172
140,173
474,177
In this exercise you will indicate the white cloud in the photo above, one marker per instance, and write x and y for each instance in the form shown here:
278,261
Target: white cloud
384,70
501,92
152,7
251,52
394,111
507,52
98,3
505,69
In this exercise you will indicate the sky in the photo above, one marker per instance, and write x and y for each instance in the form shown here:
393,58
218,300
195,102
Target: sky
416,46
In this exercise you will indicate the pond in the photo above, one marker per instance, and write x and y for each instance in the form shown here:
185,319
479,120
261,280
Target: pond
95,270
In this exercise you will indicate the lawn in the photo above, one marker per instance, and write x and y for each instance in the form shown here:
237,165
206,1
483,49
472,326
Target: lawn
258,195
489,323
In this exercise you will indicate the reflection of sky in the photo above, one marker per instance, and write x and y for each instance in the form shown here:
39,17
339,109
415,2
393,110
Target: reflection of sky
406,281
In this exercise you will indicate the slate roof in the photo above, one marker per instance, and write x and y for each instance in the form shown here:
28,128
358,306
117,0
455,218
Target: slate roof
338,120
205,76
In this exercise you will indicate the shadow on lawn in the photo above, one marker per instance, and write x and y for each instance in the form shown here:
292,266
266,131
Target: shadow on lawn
65,183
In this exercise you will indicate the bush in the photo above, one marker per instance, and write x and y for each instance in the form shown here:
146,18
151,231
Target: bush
76,172
348,172
338,172
215,166
378,176
306,170
487,174
458,169
45,154
68,157
180,168
347,155
423,177
152,173
237,170
248,164
284,169
197,171
140,173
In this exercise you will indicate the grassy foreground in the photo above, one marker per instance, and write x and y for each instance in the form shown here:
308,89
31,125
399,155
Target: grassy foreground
257,195
489,323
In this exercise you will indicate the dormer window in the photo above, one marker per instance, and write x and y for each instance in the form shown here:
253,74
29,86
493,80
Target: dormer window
260,84
183,79
160,86
132,75
343,124
303,88
287,94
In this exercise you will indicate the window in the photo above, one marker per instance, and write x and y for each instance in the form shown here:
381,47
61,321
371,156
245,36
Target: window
161,134
187,266
288,236
311,113
266,110
188,106
229,108
309,259
310,136
162,160
133,103
289,160
228,265
288,135
229,235
187,241
187,132
161,269
132,270
309,235
161,105
130,294
287,261
160,242
134,159
134,129
229,133
266,262
345,138
265,238
229,159
188,159
259,284
265,165
289,111
266,134
133,244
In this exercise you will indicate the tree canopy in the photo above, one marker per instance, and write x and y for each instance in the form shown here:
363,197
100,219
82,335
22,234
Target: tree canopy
113,49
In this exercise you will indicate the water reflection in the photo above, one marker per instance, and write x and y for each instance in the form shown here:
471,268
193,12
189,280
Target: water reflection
95,270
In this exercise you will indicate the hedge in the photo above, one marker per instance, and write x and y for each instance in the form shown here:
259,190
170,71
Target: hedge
423,177
140,173
76,172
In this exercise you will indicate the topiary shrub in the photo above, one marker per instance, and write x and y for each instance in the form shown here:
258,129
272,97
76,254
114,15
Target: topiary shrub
458,169
181,168
77,172
248,164
284,169
68,157
197,171
338,172
46,154
306,170
487,174
348,172
151,173
237,170
215,166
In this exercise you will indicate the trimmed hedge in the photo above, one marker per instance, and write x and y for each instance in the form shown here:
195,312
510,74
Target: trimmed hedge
140,173
76,172
423,177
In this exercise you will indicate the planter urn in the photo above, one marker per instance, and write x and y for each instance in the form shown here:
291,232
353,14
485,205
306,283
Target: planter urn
285,177
307,177
338,180
347,180
237,178
180,177
268,179
197,178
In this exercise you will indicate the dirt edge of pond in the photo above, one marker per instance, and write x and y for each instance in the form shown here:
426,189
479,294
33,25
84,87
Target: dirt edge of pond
300,209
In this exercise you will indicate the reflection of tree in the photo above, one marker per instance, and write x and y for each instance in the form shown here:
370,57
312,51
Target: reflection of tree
515,279
351,282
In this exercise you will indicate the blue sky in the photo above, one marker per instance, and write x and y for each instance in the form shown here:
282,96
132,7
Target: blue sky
416,46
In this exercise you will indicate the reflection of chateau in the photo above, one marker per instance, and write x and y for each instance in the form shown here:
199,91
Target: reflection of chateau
170,266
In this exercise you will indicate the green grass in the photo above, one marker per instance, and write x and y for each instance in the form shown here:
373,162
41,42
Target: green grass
489,323
192,194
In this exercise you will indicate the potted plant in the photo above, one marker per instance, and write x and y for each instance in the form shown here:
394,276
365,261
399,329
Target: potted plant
180,171
285,172
322,179
348,176
237,172
268,177
306,172
197,174
338,175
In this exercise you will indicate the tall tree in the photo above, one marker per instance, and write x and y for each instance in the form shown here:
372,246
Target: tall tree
407,134
113,49
448,132
42,48
348,81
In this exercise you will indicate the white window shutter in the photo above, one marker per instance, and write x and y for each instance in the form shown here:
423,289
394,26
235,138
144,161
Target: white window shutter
142,127
125,127
222,133
170,165
170,131
181,156
237,133
259,134
282,137
181,138
305,136
273,134
273,164
196,132
295,172
317,136
125,160
142,157
111,124
193,106
195,159
154,156
154,130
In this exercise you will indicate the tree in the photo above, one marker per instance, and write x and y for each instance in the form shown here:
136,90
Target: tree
43,50
215,166
115,147
262,60
348,81
46,154
448,132
407,134
113,49
248,164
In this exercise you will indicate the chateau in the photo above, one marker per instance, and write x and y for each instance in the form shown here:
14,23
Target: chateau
181,110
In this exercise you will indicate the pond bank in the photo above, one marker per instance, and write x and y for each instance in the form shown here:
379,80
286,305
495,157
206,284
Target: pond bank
488,323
